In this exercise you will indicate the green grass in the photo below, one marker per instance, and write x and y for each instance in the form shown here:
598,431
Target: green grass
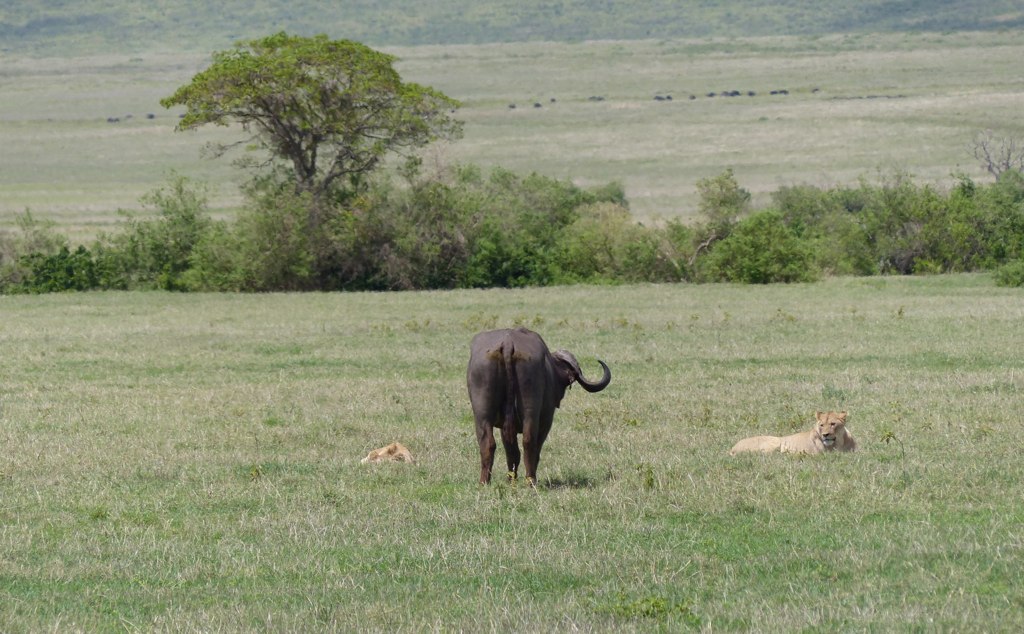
191,462
884,102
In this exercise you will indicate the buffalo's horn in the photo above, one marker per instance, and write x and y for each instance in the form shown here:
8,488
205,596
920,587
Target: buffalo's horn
599,385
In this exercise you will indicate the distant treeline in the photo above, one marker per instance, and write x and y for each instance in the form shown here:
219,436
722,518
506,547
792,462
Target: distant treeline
468,229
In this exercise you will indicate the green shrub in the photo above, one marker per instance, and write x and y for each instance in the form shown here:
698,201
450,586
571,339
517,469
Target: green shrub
824,220
215,262
276,243
896,226
722,203
514,240
461,228
424,243
31,237
761,249
679,251
157,252
360,234
507,256
917,229
605,244
278,248
65,270
399,237
893,216
1003,204
1010,274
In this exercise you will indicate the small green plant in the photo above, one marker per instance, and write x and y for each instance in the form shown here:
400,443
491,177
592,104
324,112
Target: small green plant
414,325
984,431
706,413
653,607
646,473
783,316
889,436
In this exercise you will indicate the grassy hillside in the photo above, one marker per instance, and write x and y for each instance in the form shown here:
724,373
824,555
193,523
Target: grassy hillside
191,462
93,26
855,105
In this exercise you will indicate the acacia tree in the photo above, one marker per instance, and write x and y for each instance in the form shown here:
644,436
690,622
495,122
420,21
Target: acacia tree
331,110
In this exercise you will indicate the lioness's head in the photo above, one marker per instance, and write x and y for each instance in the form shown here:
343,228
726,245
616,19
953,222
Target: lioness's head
829,426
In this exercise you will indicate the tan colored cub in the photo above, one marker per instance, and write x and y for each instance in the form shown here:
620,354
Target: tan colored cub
828,434
395,452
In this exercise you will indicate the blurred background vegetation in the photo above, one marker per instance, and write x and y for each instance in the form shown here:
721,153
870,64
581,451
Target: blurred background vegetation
466,229
474,224
91,26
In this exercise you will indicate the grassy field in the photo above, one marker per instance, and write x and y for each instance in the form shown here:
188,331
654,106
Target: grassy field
191,462
856,105
88,26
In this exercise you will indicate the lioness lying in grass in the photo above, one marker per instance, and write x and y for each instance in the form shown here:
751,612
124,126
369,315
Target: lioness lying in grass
828,434
395,452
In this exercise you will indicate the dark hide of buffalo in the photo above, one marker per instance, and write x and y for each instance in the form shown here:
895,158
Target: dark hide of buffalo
515,383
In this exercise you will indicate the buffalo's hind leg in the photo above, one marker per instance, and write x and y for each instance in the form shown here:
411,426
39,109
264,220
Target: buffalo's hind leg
531,453
535,431
485,436
512,455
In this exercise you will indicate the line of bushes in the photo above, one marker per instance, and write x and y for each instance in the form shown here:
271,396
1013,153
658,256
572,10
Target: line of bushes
466,229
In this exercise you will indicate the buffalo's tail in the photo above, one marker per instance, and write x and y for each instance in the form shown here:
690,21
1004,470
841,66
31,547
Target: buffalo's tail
512,385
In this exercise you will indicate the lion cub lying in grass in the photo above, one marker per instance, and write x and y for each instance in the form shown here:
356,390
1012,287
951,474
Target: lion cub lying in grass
828,434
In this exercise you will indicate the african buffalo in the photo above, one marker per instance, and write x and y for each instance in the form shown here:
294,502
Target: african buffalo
516,383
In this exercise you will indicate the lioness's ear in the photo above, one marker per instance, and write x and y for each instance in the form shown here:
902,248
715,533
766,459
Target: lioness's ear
821,415
841,416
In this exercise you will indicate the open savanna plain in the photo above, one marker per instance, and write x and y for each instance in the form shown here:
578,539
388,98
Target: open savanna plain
855,105
178,462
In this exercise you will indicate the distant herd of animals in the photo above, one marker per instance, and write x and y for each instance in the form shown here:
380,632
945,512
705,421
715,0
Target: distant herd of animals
130,116
598,97
516,383
595,98
668,97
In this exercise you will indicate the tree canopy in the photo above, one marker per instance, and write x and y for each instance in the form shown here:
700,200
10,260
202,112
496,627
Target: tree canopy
330,110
